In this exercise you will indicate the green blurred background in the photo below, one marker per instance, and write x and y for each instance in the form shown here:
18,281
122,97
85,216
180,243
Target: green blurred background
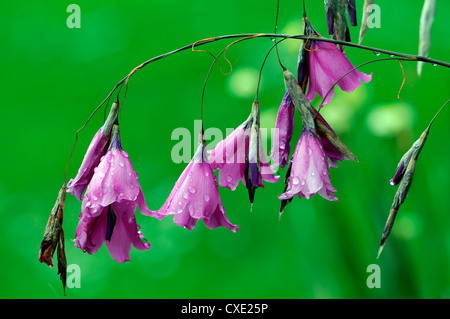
52,78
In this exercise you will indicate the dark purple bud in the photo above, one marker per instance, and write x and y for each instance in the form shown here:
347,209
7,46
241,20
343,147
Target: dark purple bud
330,21
351,7
254,174
347,35
398,174
110,223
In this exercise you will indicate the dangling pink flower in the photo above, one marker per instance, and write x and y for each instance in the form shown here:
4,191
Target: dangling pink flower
109,205
284,127
240,156
196,196
327,64
97,149
309,171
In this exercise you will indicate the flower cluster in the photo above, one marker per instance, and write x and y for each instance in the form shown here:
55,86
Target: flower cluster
321,65
108,186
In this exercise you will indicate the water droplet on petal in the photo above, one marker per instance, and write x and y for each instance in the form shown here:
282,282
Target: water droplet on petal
302,182
324,171
309,151
206,198
206,172
179,210
94,197
110,159
124,154
295,181
185,195
192,190
376,53
88,204
121,164
229,178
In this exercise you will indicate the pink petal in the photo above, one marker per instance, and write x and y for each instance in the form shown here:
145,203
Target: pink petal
327,65
97,148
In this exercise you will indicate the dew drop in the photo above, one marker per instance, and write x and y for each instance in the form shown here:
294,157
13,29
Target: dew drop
309,151
295,181
302,182
312,174
121,164
110,159
192,190
101,175
179,210
88,204
376,53
206,172
324,171
434,64
206,198
124,154
229,178
185,195
121,194
94,197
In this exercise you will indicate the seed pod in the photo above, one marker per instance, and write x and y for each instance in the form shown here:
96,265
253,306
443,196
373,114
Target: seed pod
336,19
404,175
365,19
426,20
54,237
